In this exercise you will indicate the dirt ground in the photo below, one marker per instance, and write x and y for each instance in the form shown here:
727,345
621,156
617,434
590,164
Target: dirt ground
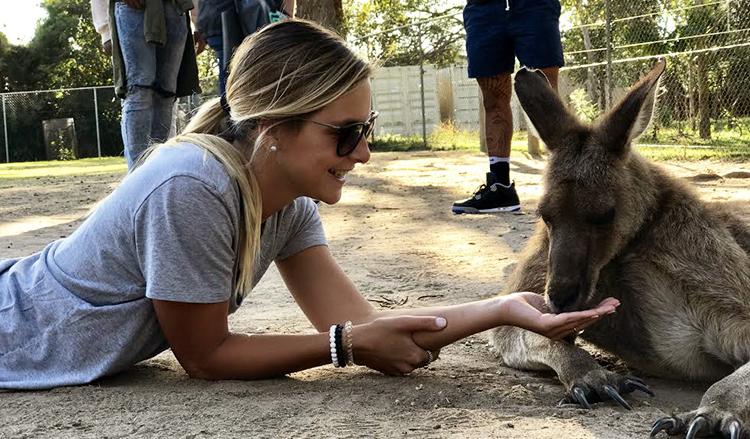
393,233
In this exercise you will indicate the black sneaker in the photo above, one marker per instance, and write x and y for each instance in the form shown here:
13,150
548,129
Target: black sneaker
489,198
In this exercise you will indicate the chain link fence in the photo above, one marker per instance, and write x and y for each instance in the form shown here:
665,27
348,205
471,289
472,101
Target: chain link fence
704,96
705,92
59,124
608,45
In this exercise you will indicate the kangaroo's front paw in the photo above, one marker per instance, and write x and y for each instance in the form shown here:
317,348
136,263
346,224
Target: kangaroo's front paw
721,413
600,385
724,411
703,422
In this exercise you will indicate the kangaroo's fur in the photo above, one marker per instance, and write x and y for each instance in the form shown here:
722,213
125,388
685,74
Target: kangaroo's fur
615,224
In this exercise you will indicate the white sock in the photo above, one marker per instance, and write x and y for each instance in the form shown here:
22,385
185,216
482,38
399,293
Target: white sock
495,159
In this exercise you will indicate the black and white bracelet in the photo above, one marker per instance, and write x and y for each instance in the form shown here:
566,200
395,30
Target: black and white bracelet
340,343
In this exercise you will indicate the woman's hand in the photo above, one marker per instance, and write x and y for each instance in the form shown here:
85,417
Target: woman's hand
528,310
386,343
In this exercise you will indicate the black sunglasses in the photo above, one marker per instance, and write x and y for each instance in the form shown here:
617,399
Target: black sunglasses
350,135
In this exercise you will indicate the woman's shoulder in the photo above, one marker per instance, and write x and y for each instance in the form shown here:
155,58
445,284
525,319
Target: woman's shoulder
300,211
301,206
188,160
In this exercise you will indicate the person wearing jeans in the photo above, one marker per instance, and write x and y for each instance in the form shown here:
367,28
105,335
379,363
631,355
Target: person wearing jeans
152,52
210,25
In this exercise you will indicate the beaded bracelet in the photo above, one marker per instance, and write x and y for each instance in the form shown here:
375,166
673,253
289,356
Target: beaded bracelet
332,344
348,343
340,343
340,352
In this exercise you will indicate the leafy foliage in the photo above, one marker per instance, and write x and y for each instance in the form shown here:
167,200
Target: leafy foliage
386,30
65,52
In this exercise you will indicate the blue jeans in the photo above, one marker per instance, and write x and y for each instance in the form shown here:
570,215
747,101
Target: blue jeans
217,44
151,74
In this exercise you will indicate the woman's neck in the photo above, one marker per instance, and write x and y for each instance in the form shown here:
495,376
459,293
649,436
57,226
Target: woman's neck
274,190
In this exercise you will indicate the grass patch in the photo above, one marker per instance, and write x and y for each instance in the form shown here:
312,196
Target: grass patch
670,144
694,153
93,166
446,137
727,143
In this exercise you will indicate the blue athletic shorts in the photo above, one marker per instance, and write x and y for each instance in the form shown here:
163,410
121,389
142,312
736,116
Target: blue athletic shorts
497,31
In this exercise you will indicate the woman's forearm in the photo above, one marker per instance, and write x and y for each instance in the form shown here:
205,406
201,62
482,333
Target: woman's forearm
463,320
250,357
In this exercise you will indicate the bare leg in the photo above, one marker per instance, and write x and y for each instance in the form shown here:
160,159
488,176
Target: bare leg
496,92
499,194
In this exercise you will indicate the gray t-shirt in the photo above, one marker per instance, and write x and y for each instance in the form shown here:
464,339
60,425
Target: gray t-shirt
80,309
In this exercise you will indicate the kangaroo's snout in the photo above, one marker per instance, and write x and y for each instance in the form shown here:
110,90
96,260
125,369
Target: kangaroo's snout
564,297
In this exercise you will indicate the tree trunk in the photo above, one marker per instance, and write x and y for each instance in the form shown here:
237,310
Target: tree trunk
590,77
691,96
329,13
704,101
704,113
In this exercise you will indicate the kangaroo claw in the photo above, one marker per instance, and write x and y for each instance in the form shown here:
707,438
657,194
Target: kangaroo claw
735,429
616,396
634,383
580,397
668,424
698,424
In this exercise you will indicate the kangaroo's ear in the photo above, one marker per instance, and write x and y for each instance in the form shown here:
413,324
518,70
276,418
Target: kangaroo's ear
630,118
543,106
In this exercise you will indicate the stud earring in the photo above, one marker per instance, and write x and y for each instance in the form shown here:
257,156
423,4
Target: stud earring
273,148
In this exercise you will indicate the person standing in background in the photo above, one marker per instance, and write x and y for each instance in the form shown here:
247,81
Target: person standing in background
153,61
100,17
250,15
497,32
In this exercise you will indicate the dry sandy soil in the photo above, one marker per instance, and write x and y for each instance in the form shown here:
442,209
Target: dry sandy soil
395,236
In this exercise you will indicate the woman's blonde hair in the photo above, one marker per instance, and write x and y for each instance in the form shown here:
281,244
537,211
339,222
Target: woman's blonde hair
284,71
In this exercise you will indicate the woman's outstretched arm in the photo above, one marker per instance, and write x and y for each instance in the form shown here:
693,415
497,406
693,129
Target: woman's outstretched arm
200,339
327,296
393,342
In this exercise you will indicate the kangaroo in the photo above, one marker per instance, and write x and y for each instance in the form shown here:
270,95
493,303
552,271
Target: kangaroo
614,224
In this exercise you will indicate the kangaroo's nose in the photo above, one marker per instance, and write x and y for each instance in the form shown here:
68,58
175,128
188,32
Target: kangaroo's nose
563,298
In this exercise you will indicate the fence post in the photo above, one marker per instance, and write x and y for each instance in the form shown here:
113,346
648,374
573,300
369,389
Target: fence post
96,117
5,132
421,86
729,15
608,37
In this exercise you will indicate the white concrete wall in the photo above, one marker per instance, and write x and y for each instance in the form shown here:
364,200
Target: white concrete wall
396,94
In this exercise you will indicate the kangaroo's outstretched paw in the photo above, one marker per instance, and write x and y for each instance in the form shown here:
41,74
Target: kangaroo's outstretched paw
602,385
701,423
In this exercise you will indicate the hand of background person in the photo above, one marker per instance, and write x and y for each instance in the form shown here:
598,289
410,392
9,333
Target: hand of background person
135,4
107,47
529,311
386,343
200,42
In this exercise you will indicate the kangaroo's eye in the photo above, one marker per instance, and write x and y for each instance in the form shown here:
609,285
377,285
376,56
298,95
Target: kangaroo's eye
603,219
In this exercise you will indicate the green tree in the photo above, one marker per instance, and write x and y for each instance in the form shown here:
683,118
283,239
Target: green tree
329,13
69,47
4,50
65,52
405,32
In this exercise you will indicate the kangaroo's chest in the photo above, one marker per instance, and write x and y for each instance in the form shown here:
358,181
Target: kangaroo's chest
656,329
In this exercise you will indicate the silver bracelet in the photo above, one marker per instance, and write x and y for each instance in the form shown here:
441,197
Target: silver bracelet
348,343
